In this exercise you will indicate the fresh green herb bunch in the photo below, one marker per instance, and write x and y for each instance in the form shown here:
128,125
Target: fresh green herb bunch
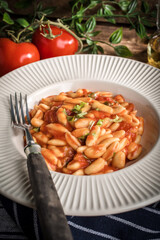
137,13
10,25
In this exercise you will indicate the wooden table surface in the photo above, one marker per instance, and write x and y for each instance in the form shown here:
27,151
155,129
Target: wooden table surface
130,39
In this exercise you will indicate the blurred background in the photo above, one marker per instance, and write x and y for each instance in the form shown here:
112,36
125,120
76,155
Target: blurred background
137,28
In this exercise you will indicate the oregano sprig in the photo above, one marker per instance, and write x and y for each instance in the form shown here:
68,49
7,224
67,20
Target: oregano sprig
84,24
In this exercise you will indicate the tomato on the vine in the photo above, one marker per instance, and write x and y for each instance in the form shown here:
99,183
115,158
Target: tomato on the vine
14,55
63,43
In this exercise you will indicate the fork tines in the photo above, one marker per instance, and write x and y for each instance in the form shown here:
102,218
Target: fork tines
17,107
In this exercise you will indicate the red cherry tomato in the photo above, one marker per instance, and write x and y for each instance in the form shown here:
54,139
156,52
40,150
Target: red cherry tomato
14,55
64,44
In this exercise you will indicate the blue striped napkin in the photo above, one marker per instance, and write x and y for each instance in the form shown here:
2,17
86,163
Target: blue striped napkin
19,222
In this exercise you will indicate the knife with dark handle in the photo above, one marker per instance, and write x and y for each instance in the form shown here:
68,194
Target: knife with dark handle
53,221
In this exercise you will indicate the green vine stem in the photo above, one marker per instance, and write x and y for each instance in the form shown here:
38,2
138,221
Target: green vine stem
41,23
75,17
61,25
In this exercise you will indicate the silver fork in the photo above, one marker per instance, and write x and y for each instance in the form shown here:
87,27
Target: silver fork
19,121
52,218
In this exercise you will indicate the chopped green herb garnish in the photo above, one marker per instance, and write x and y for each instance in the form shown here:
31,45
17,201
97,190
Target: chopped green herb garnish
114,154
71,118
91,124
64,110
85,156
36,129
93,134
77,108
108,103
100,122
97,109
80,115
75,117
83,137
92,95
116,119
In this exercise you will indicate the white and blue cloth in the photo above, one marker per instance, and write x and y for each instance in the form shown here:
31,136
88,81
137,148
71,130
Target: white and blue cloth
18,222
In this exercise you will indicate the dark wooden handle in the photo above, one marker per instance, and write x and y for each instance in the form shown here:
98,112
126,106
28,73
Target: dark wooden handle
52,218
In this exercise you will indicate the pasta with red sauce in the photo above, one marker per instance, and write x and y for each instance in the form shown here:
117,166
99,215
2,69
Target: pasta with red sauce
86,133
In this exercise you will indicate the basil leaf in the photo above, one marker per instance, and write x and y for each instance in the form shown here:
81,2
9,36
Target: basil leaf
23,22
86,49
108,12
108,8
100,12
95,49
93,34
93,4
89,42
141,30
48,11
123,51
132,6
80,28
4,5
145,7
123,4
100,49
116,36
74,5
90,24
7,18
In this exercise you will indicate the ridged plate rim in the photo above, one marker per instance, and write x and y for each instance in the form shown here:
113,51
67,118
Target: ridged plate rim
76,192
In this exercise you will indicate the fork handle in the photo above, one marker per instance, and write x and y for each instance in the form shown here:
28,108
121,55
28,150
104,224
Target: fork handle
52,218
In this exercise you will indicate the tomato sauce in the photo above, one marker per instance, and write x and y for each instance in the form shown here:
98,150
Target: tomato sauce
69,156
84,162
108,168
127,127
103,98
124,126
85,92
50,116
100,114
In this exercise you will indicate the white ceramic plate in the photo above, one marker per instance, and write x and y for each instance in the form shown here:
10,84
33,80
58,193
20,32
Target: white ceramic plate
127,189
